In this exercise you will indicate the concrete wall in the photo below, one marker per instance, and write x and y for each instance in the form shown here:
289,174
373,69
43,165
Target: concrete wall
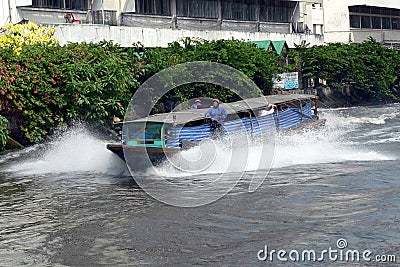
384,36
4,13
152,37
9,12
336,21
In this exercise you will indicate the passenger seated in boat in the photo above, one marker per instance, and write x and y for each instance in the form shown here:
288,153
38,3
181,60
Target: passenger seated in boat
269,110
197,104
217,116
281,107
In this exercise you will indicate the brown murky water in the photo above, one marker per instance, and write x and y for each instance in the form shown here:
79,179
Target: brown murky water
60,207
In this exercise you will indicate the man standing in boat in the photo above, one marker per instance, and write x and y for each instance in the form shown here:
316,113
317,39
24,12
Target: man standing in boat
196,104
217,116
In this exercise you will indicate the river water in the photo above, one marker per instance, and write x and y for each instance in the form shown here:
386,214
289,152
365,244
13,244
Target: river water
70,202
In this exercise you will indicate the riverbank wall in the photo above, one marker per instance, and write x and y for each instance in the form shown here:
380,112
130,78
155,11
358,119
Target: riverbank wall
338,98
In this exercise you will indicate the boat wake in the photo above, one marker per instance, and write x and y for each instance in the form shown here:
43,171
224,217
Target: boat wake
356,116
330,144
321,146
77,150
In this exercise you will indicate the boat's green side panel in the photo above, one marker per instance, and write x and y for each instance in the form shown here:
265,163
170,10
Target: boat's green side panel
155,143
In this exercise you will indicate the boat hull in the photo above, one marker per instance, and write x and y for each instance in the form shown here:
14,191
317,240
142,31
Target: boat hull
144,138
140,158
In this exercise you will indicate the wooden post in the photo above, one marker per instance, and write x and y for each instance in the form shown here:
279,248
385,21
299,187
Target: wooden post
251,123
12,144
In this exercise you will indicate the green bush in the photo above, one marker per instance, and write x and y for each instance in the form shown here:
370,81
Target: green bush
45,87
257,64
369,70
48,87
3,132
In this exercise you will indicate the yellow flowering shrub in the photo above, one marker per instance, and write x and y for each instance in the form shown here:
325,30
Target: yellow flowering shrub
18,35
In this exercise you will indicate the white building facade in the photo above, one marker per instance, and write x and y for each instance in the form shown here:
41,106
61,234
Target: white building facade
159,22
356,20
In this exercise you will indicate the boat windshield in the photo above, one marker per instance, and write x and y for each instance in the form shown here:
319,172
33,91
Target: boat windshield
143,131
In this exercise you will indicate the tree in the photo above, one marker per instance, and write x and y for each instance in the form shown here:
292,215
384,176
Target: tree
45,87
257,64
369,70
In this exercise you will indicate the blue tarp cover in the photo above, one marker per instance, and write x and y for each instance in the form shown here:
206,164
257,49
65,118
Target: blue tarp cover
286,119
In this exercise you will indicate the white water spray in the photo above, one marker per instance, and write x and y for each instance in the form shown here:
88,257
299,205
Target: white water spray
79,151
75,150
323,145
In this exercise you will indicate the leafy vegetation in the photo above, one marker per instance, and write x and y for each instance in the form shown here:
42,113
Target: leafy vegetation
257,64
3,132
19,35
368,70
44,85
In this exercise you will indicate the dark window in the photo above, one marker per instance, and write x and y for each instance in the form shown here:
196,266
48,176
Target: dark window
110,17
386,23
365,22
75,4
376,23
376,10
48,3
197,9
386,11
276,11
365,10
395,12
382,18
354,21
239,10
355,9
153,7
395,23
62,4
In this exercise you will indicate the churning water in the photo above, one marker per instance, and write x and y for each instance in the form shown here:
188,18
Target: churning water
71,202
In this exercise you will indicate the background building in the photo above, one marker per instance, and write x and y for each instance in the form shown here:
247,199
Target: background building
159,22
355,20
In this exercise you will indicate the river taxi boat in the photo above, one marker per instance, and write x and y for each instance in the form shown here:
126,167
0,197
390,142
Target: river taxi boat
148,141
